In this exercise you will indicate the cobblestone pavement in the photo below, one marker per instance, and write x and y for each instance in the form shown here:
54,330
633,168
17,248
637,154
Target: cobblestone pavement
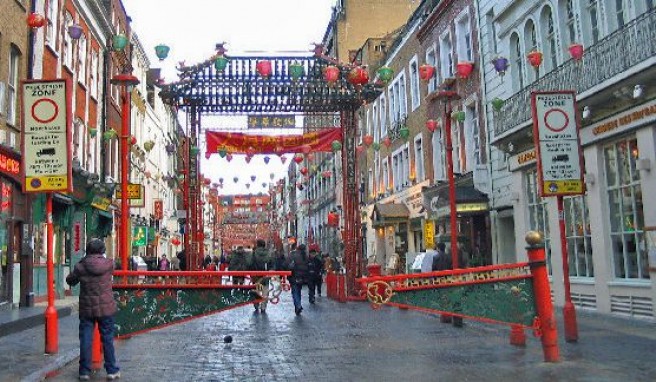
351,342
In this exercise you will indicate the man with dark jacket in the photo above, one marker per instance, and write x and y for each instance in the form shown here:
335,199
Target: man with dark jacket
240,260
298,265
96,305
315,269
261,262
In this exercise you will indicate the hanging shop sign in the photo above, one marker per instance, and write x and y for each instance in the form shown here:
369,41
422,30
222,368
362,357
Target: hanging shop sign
271,121
620,123
101,203
10,166
429,234
140,236
46,136
272,144
158,208
555,131
136,195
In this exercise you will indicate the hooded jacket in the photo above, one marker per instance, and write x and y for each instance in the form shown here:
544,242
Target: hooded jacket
94,273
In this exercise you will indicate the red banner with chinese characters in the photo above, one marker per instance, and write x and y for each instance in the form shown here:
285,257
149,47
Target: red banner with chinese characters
272,144
159,209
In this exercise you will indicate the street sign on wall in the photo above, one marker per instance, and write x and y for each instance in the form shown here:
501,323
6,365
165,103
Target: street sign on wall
555,132
46,136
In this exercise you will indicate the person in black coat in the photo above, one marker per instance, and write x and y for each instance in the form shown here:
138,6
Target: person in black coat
315,269
298,265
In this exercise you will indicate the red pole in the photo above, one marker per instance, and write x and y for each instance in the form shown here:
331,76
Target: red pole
536,257
569,313
52,323
452,186
125,168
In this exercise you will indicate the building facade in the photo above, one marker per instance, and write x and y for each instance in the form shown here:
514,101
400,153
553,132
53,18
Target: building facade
606,228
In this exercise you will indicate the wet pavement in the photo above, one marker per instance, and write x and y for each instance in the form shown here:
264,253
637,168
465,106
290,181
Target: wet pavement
334,341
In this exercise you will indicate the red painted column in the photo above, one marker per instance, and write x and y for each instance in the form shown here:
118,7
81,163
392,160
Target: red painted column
125,170
569,313
52,323
542,291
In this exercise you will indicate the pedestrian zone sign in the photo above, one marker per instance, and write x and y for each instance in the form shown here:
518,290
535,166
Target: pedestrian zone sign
46,136
555,132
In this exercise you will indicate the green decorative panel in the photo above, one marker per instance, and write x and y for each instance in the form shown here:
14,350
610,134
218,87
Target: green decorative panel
508,301
144,309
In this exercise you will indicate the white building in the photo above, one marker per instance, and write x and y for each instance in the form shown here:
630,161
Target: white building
605,228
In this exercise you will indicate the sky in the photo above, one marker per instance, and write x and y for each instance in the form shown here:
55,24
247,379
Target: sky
191,28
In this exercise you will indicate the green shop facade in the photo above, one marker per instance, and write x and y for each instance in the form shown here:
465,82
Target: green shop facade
85,213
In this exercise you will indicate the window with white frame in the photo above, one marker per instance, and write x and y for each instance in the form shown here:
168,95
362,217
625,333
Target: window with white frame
406,164
383,116
400,167
82,60
621,13
67,48
414,83
473,138
51,29
431,59
78,142
374,117
403,97
369,121
531,44
579,237
361,117
549,35
626,213
370,184
384,181
419,159
377,173
464,39
517,57
570,22
439,158
456,144
491,31
446,56
593,21
93,74
12,85
538,216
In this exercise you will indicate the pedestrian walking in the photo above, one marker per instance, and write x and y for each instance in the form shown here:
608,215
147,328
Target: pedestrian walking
164,263
96,305
182,257
207,261
240,260
261,262
175,263
298,265
441,262
315,269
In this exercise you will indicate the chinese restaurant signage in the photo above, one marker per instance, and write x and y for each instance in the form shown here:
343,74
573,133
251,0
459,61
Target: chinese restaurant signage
272,144
158,209
271,121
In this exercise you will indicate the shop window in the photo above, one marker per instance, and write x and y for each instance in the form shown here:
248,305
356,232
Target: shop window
579,238
414,83
538,216
629,258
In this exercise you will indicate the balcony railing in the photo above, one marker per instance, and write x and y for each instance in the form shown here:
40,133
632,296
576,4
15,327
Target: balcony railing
616,53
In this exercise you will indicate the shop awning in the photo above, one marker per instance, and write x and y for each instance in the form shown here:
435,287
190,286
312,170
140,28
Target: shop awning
389,213
469,201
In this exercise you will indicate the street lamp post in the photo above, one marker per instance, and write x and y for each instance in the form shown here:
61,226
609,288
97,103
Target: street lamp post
127,81
447,94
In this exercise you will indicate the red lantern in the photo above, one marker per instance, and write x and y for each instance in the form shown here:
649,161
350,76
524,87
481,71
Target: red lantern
303,170
426,72
431,125
535,59
387,142
464,68
35,20
207,181
264,68
333,219
358,76
175,241
133,140
331,74
368,140
298,158
576,51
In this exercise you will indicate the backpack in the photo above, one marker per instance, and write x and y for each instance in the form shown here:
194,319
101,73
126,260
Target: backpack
261,260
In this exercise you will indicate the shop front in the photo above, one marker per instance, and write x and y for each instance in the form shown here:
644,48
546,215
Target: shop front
390,222
15,278
473,222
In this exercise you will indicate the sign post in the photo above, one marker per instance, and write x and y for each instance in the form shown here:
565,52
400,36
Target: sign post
556,136
45,143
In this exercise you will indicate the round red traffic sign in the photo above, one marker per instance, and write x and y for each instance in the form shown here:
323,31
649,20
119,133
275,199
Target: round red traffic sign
45,110
556,120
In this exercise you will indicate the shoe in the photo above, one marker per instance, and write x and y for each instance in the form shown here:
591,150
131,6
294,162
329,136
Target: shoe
298,311
84,377
113,376
312,301
263,311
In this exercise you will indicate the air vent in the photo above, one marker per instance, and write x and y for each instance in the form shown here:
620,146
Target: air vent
632,306
585,301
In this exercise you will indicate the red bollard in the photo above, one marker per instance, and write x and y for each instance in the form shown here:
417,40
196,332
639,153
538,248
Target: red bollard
330,285
517,335
341,288
96,348
549,334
